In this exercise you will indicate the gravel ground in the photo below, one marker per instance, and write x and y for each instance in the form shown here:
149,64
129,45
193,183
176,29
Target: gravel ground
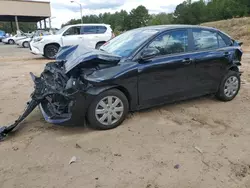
192,144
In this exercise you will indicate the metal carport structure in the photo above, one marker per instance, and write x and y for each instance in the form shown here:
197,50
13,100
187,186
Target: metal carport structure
25,11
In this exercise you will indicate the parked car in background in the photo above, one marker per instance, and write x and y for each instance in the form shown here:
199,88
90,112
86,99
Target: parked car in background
91,35
2,35
25,43
15,38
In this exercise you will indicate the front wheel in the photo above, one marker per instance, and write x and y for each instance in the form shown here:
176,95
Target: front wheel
50,51
229,87
108,110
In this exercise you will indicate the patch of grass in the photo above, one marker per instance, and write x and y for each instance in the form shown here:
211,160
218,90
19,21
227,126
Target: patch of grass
238,28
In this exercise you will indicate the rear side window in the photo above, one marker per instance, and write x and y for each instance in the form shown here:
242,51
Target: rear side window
89,29
221,42
207,40
171,43
101,29
93,29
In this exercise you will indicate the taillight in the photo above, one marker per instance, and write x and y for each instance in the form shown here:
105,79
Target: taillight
105,43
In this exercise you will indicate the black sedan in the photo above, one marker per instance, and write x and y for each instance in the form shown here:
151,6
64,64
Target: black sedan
138,69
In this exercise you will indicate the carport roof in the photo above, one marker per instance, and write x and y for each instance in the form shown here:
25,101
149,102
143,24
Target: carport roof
8,18
25,10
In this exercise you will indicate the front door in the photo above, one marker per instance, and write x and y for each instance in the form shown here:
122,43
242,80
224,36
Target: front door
72,36
164,78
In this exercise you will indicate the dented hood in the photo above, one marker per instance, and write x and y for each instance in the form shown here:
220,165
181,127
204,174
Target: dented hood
76,55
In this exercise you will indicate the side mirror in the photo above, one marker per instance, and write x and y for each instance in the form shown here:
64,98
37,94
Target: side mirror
149,53
66,33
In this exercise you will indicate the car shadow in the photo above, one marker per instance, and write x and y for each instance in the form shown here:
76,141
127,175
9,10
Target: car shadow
40,58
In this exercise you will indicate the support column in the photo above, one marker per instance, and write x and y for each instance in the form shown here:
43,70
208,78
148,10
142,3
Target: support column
45,25
11,25
40,22
50,27
17,25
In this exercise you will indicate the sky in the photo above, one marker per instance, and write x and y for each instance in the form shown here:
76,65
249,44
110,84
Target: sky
63,10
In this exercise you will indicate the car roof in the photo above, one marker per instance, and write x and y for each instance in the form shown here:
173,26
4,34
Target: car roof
180,26
96,24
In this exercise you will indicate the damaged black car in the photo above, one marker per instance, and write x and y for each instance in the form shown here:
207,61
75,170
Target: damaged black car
138,69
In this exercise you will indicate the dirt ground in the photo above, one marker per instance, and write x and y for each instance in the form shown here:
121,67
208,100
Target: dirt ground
192,144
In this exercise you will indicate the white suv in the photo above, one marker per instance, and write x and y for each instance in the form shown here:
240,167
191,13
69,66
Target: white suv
91,35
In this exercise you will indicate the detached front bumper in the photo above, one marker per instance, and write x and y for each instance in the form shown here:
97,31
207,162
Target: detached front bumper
52,117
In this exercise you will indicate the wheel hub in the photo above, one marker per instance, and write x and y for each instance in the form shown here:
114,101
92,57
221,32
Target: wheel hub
109,110
231,86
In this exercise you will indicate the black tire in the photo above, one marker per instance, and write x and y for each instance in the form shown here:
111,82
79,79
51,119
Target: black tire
11,41
25,44
98,45
91,114
221,94
50,51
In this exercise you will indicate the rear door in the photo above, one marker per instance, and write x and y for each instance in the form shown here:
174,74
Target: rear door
72,36
211,58
94,34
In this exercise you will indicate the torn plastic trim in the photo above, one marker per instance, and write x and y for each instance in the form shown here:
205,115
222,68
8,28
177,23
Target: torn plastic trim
5,130
50,119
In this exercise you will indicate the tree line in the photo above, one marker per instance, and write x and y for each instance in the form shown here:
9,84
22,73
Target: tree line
24,26
187,12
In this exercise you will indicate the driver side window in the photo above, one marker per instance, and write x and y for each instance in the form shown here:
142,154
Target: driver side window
171,42
73,31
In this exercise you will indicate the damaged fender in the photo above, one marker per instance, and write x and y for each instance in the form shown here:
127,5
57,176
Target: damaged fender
97,91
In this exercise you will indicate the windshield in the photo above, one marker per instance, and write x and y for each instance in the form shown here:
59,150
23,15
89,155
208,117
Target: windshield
126,43
60,31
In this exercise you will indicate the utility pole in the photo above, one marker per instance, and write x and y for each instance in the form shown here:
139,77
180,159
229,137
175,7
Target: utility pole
80,8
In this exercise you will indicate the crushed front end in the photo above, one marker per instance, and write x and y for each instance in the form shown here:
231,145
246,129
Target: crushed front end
60,90
54,92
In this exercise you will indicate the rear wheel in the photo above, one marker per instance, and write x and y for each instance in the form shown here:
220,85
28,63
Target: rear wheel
26,44
50,51
229,87
11,41
108,110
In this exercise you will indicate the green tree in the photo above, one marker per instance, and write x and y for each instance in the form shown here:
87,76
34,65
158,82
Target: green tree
187,12
139,17
24,26
161,19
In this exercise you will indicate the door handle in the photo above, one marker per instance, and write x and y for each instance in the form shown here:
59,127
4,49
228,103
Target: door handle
226,54
187,61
